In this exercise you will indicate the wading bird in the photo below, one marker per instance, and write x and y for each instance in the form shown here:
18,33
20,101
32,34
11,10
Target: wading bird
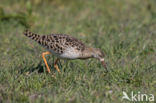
65,47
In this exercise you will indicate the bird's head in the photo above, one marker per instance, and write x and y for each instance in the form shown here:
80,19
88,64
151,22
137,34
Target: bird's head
98,54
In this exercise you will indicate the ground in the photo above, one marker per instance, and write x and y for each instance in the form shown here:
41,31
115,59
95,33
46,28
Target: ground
125,30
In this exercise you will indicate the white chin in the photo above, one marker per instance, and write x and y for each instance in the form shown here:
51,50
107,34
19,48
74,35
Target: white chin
102,59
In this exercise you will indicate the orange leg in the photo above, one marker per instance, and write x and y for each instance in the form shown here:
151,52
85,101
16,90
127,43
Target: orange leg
45,61
56,66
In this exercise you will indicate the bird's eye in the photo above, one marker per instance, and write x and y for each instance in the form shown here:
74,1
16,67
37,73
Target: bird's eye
101,55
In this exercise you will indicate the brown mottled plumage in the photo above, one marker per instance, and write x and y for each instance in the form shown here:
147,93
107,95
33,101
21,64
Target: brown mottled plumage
66,47
56,42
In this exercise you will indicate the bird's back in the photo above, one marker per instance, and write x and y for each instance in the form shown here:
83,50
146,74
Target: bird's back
59,44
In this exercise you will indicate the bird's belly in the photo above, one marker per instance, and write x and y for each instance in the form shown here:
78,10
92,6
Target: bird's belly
69,53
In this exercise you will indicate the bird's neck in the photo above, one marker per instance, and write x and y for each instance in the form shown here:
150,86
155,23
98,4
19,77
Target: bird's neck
87,53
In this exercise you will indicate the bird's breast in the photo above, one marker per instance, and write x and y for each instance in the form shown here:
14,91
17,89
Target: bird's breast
70,53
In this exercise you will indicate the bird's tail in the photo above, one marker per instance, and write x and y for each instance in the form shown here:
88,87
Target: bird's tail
31,35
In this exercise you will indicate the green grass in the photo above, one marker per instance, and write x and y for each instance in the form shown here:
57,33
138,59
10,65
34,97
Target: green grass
124,29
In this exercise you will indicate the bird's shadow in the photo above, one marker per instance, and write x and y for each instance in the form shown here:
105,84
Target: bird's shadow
39,68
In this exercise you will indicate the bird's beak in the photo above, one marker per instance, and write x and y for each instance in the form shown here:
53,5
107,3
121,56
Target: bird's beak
103,63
